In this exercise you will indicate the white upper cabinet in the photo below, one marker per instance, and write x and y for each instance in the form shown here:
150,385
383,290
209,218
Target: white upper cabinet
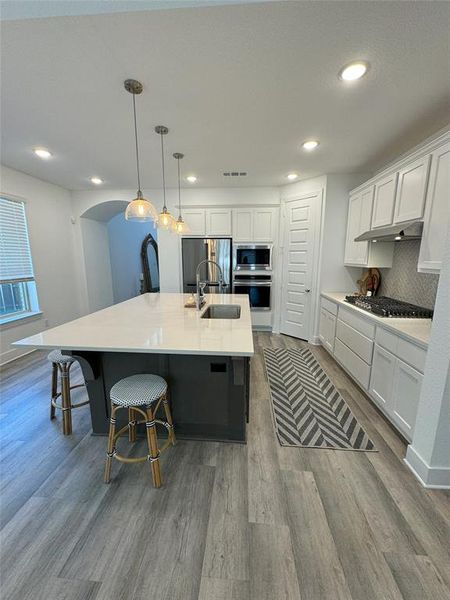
218,222
366,209
355,252
411,190
364,254
243,225
264,224
437,212
254,224
196,220
416,188
384,201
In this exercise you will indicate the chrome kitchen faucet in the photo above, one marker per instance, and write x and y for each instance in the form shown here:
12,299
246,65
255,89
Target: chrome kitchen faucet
200,296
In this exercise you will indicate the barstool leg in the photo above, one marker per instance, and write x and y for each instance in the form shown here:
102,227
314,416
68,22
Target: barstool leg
152,441
54,389
110,451
131,425
169,419
65,398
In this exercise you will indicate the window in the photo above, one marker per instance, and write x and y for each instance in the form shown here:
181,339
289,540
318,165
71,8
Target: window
18,297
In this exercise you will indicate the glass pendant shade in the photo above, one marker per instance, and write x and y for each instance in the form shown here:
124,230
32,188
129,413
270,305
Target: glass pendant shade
165,220
141,209
181,226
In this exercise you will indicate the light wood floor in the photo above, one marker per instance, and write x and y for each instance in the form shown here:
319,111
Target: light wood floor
232,522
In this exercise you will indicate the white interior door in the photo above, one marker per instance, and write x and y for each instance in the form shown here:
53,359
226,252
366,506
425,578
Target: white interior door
298,260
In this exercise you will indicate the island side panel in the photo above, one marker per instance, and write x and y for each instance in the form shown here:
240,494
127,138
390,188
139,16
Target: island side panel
209,396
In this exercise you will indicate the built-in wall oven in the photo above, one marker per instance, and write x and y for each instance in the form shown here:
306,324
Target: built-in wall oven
252,257
257,287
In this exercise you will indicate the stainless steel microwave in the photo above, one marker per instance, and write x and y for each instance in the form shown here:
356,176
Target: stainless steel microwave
252,257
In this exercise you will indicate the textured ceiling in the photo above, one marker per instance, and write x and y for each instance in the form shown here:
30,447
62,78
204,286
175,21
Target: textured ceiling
239,86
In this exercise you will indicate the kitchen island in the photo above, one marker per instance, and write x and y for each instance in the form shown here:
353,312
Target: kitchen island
204,360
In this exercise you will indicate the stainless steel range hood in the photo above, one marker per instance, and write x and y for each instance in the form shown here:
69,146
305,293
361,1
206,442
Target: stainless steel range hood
393,233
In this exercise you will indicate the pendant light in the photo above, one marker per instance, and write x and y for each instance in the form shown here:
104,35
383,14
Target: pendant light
181,226
165,219
138,209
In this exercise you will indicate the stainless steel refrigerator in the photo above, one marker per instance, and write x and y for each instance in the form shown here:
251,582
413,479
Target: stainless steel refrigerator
194,250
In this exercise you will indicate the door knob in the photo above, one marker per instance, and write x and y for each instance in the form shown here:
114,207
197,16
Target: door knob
307,290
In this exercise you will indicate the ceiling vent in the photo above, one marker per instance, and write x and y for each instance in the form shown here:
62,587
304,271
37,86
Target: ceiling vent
235,174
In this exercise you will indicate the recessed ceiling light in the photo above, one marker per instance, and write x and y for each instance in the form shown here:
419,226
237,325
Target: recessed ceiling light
96,180
191,178
42,152
292,176
353,71
310,144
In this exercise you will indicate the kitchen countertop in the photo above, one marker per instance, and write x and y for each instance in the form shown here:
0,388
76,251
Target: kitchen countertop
155,323
414,330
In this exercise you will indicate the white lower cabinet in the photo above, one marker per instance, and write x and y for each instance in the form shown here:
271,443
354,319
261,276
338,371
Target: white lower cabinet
395,387
382,362
405,397
382,377
327,329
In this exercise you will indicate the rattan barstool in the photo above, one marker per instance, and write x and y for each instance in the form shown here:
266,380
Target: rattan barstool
61,364
140,394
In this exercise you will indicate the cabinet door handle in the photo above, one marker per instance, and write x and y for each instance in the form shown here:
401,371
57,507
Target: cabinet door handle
307,290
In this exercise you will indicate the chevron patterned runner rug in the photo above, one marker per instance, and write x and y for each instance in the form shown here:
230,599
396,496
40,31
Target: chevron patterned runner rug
308,410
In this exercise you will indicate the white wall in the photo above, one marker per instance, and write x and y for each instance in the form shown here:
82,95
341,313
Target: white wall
48,211
97,264
429,454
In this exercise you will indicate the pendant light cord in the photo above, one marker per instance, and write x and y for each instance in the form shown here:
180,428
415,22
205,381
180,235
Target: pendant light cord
163,172
137,146
179,190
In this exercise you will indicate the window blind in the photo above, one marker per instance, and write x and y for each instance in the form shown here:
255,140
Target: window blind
15,255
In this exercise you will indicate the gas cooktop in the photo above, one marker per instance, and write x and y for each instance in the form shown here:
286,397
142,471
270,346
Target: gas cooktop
389,307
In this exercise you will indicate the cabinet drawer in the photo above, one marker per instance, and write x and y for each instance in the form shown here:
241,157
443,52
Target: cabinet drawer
406,351
359,343
387,340
331,307
412,354
359,369
361,324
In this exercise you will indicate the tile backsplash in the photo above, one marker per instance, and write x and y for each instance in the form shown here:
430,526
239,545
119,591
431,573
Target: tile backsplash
403,282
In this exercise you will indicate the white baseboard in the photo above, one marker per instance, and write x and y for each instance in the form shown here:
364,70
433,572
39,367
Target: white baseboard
437,478
14,354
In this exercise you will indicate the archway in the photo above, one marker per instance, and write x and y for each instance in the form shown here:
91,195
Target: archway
112,254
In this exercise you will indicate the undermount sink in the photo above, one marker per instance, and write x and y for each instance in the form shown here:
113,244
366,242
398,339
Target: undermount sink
222,311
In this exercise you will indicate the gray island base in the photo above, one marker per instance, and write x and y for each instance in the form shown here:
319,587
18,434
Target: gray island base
209,395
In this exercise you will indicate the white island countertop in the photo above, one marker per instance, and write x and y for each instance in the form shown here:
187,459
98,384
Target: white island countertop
414,330
157,323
